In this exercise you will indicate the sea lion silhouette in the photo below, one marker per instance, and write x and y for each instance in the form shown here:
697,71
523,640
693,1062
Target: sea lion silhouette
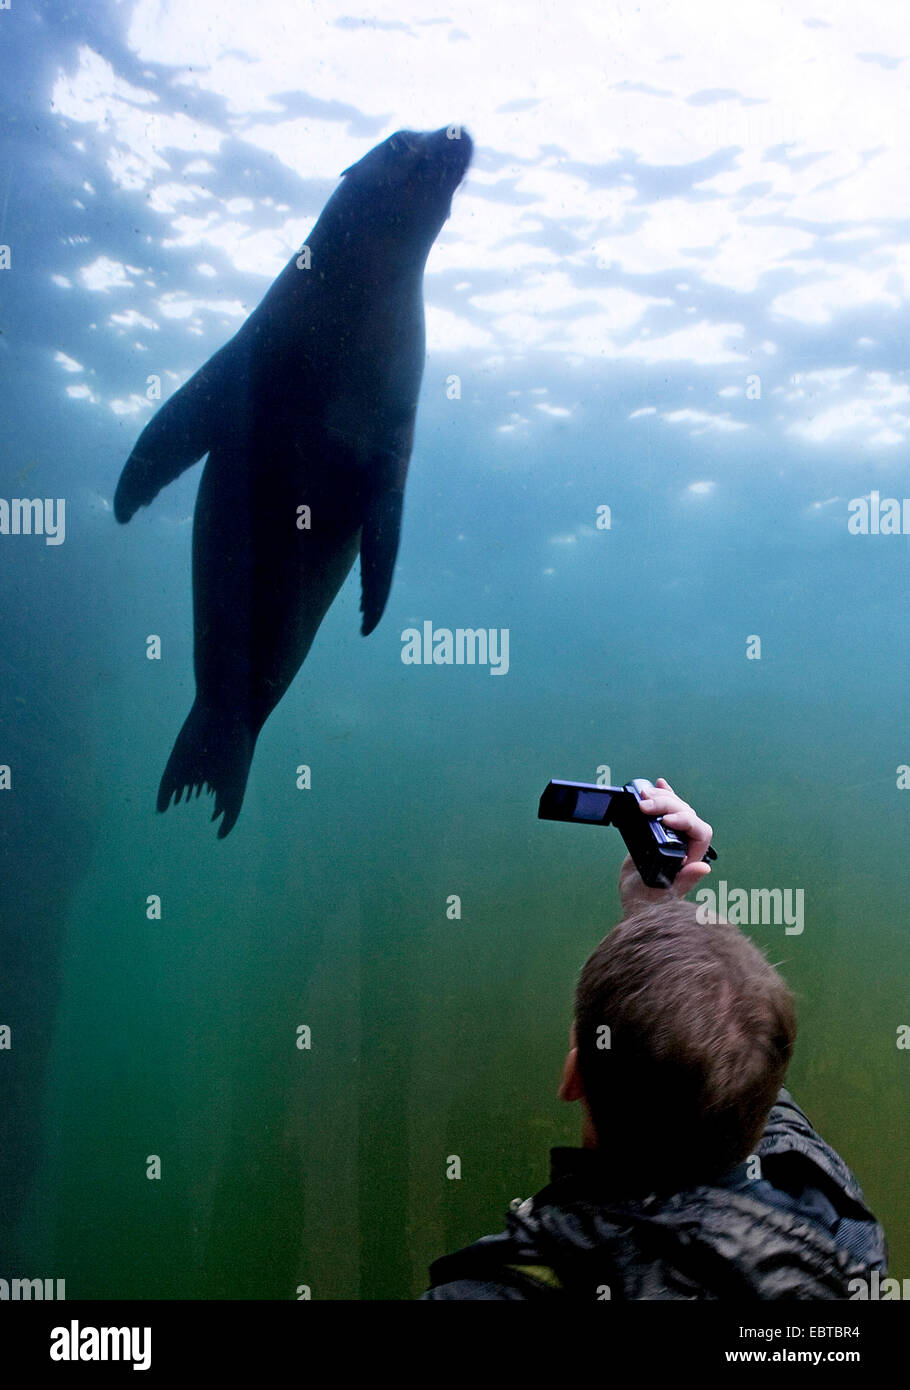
310,405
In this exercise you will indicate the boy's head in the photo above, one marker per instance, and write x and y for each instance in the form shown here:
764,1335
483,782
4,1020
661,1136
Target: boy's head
683,1033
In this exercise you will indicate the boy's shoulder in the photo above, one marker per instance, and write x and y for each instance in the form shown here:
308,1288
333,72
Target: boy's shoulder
571,1239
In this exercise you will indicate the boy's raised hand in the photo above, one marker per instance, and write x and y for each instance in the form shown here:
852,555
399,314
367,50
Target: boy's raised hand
679,816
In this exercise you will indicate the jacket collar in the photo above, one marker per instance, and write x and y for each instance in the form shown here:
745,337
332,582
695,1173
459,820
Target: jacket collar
595,1168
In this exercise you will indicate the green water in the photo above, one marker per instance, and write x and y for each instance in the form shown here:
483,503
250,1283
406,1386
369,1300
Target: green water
433,1038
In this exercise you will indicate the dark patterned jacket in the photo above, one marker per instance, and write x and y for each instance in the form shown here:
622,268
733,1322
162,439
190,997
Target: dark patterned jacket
801,1230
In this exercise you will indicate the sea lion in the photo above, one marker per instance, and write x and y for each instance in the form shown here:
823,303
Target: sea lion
311,405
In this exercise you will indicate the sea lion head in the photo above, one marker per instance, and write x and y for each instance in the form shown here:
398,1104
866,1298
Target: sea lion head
409,181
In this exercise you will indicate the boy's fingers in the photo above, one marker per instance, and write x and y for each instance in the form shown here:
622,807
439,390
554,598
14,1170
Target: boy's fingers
660,801
693,826
679,815
688,876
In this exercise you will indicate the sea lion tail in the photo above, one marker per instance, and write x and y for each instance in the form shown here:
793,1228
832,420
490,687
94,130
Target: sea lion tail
213,749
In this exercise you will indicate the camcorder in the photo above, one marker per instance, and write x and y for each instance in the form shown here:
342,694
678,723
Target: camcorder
657,851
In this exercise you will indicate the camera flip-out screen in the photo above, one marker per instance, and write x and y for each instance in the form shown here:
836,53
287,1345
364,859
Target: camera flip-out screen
576,801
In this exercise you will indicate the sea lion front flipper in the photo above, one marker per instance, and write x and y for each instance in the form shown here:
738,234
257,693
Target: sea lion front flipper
378,549
183,430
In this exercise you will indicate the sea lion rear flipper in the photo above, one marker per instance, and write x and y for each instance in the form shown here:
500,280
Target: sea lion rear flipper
175,438
378,549
214,749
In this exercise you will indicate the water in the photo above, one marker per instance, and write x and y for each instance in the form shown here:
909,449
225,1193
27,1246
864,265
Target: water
430,1037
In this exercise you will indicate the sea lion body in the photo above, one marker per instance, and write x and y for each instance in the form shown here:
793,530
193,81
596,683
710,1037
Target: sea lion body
311,406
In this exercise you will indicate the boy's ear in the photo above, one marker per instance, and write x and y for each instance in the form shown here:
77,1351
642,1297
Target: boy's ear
570,1086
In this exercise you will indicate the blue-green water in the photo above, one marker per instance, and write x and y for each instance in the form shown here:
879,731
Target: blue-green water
430,1037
